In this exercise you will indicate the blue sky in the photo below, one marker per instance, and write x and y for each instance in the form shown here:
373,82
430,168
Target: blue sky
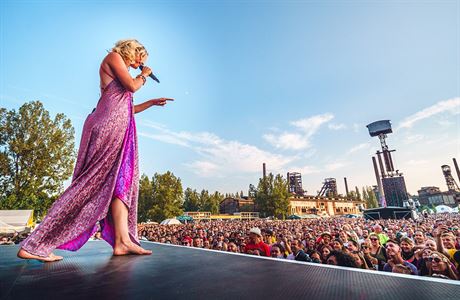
289,83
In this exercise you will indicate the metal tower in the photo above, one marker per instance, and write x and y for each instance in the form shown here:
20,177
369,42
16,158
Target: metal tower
450,181
329,188
295,183
390,182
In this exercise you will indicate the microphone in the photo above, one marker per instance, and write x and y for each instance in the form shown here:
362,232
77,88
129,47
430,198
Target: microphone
151,74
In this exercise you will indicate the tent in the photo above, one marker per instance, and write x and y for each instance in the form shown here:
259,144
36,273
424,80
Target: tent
293,217
455,210
307,216
310,216
170,222
21,218
6,228
185,219
443,209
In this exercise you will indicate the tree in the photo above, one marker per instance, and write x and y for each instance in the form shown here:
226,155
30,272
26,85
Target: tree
215,200
371,200
358,195
204,200
263,199
146,201
36,156
365,194
191,200
272,197
280,197
352,195
167,197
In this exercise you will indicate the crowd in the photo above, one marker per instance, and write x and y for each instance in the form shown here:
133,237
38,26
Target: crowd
12,238
426,247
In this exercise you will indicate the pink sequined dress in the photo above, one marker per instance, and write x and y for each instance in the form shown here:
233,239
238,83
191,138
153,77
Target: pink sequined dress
107,167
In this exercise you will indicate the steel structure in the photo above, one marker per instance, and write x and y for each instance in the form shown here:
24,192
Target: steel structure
346,186
390,182
456,168
450,181
329,188
295,183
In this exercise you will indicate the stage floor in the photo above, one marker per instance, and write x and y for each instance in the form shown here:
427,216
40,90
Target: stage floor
173,272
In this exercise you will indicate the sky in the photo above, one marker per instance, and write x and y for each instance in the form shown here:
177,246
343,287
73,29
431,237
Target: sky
289,83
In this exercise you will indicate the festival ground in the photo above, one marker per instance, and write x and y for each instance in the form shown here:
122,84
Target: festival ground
174,272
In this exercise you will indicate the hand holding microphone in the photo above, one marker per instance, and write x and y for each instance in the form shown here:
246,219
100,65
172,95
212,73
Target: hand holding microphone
146,71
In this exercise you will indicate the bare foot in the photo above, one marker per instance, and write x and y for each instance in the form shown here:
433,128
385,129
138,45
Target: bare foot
56,257
130,248
26,255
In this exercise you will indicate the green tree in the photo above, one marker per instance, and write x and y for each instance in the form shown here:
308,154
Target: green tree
215,200
280,197
264,200
365,194
205,204
191,200
358,195
146,201
371,200
352,195
36,156
272,197
167,197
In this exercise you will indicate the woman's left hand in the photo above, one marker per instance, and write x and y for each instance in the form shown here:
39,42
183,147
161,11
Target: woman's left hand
160,101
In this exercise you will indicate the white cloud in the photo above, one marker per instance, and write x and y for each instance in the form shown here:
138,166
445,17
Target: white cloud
311,169
305,170
300,139
311,125
445,123
336,165
357,127
359,147
334,126
414,162
203,168
220,157
450,105
165,138
414,138
293,141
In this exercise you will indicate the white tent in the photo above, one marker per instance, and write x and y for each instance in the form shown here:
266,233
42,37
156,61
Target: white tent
443,209
12,221
22,218
18,217
170,222
6,228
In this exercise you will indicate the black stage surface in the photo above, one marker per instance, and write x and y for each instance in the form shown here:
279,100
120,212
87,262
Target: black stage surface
173,272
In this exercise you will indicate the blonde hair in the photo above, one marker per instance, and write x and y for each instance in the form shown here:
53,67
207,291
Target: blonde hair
129,49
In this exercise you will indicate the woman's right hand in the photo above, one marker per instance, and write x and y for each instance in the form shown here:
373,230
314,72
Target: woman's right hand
146,71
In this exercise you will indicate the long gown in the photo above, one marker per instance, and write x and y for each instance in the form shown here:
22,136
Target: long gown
106,167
